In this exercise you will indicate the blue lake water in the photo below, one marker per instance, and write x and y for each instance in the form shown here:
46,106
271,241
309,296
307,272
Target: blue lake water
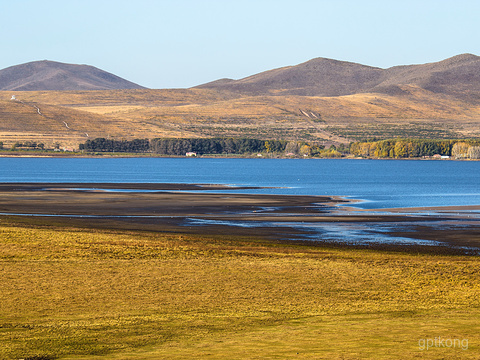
379,183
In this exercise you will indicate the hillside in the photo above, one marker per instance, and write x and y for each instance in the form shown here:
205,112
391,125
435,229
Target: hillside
458,76
317,77
128,114
437,100
51,75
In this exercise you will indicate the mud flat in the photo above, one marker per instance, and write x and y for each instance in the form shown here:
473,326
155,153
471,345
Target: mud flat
198,209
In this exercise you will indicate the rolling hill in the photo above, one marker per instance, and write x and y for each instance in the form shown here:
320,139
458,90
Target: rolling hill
458,76
322,100
317,77
51,75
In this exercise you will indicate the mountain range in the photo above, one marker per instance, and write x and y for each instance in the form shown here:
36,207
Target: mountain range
458,76
51,75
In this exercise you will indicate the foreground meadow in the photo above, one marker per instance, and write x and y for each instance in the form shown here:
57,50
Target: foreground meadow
84,293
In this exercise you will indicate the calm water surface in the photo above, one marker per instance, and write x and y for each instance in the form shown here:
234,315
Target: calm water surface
379,183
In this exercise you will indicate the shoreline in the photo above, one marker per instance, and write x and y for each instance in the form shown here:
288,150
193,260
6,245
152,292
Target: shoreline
195,209
218,156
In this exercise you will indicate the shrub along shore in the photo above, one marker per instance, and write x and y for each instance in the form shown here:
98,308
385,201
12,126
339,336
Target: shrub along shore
248,147
393,148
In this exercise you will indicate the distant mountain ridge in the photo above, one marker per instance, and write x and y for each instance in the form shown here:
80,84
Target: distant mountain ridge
51,75
457,76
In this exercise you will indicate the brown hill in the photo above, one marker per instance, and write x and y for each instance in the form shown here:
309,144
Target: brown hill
458,76
72,117
323,77
437,100
51,75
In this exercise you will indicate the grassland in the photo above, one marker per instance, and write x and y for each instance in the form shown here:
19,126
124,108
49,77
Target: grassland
71,117
85,293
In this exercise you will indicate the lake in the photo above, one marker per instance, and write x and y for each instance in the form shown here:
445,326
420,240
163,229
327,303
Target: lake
378,183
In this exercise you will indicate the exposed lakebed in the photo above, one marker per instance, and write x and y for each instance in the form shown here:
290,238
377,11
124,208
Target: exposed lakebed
205,209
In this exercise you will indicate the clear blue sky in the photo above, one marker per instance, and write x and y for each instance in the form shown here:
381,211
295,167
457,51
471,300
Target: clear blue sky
183,43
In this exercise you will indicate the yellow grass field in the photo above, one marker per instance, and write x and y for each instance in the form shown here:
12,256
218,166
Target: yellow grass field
85,293
72,117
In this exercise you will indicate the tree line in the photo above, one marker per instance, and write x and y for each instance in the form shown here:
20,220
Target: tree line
181,146
415,148
110,145
216,146
27,145
391,148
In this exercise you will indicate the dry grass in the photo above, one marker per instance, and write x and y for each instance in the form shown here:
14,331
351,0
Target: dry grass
87,294
199,112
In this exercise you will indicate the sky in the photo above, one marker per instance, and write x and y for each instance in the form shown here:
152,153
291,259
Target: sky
182,43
